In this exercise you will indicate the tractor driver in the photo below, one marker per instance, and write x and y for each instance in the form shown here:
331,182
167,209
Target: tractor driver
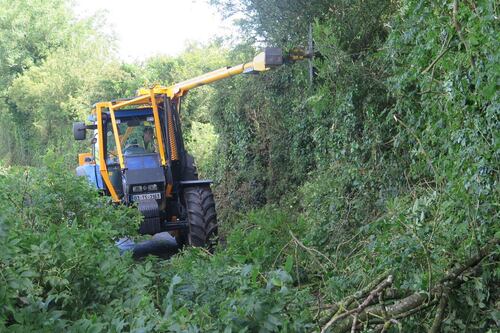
148,137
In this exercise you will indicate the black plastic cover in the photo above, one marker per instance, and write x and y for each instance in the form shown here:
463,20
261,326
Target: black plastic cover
274,56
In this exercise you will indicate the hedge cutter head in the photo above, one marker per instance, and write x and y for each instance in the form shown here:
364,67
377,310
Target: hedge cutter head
298,53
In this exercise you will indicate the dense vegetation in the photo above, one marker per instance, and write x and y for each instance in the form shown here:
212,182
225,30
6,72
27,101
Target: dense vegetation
367,200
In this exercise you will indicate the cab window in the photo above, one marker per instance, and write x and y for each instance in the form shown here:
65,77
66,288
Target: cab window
137,136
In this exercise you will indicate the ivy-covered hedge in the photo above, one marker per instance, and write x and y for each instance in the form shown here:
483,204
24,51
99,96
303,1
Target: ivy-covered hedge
391,156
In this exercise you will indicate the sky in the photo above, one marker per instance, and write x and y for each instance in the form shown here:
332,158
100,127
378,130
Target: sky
149,27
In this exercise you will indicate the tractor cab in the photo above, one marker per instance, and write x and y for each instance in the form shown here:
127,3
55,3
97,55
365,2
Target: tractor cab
143,176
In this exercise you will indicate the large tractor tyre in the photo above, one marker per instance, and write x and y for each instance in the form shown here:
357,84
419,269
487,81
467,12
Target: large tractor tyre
190,172
202,219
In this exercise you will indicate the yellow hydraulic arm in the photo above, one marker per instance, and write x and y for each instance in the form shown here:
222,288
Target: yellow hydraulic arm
271,57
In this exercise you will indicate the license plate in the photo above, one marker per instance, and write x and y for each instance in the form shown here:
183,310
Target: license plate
146,196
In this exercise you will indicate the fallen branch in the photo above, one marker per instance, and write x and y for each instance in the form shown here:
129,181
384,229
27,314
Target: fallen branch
454,273
438,319
384,284
354,323
311,250
384,315
365,291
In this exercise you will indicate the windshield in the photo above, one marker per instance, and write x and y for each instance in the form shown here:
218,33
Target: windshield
137,137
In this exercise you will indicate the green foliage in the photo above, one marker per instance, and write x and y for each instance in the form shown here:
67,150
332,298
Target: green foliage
72,78
195,60
262,133
240,288
394,151
52,68
29,33
58,85
275,21
388,162
58,260
201,144
61,270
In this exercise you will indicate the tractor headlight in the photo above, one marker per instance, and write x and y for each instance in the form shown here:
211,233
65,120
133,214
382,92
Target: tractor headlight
137,188
152,187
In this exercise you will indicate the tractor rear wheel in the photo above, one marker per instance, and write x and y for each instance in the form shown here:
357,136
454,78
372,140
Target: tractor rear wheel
202,218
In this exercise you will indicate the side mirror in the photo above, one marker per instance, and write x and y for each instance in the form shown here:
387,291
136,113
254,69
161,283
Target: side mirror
79,131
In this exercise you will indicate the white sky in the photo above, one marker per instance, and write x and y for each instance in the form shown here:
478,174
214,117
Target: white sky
148,27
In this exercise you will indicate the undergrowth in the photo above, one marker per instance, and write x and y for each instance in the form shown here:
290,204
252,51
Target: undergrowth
60,270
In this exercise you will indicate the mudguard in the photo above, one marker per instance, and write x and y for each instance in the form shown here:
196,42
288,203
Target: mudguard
190,183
